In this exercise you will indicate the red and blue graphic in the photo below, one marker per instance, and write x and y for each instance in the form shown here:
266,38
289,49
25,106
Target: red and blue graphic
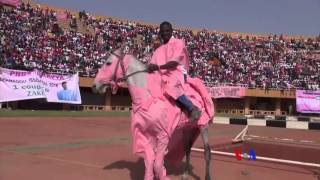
251,155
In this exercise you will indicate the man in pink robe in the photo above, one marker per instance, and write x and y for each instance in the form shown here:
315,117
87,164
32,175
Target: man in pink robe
172,61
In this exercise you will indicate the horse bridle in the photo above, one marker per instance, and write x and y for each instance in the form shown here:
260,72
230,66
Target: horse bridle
120,63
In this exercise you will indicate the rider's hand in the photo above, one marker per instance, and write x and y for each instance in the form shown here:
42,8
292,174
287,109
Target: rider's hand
171,65
152,67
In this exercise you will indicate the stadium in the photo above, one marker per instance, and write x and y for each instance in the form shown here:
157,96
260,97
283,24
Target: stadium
264,89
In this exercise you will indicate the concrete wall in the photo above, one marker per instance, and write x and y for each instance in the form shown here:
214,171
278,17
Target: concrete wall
226,103
89,98
122,98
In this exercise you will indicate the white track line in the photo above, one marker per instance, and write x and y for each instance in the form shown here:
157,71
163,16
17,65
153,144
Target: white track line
262,158
306,141
281,139
55,159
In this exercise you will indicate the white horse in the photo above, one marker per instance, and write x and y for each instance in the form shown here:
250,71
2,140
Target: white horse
157,121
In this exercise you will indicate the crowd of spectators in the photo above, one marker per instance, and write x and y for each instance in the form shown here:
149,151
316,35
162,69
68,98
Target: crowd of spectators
31,38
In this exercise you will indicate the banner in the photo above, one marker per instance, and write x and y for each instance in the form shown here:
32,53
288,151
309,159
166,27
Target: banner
308,101
62,16
21,85
14,3
226,92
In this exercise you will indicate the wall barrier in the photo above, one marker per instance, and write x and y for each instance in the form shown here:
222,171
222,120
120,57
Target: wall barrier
230,111
303,118
280,118
99,108
255,113
266,113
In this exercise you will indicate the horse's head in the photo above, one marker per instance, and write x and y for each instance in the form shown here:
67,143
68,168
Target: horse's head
110,74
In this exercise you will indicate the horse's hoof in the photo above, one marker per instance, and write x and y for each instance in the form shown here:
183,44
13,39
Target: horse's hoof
208,177
184,177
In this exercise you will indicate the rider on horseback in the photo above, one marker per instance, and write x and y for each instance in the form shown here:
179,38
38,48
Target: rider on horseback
170,59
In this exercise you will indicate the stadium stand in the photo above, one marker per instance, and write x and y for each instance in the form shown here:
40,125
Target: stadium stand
32,37
270,67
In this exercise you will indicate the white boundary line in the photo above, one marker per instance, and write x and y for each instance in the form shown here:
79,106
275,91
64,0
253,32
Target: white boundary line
55,159
262,158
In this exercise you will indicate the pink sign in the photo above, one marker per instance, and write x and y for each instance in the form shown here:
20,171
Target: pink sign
226,92
62,16
14,3
308,101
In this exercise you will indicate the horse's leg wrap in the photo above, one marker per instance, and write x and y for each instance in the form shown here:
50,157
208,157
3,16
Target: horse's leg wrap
159,168
149,164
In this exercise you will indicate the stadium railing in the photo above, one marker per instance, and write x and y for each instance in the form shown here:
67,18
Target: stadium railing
230,111
99,108
251,112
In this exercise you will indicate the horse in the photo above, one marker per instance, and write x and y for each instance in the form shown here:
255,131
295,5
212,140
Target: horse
159,127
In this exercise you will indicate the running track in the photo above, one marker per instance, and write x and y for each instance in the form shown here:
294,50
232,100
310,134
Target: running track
100,149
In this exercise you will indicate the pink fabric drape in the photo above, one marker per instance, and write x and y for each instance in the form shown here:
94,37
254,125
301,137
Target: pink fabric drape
14,3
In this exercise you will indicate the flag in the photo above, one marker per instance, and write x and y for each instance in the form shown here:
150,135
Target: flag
14,3
62,16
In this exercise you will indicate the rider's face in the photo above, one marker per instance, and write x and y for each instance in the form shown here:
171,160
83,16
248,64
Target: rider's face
165,33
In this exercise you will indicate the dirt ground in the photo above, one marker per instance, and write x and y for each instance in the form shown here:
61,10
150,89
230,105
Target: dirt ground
96,148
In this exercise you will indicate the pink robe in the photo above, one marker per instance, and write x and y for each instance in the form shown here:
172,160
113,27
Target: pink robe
172,84
171,81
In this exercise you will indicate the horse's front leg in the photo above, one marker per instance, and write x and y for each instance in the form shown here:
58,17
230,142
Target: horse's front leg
159,167
207,150
149,161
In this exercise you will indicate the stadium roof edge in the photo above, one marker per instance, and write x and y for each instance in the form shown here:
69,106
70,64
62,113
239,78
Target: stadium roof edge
194,30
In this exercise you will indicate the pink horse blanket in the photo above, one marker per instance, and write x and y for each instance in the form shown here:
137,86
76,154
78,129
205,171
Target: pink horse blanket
161,117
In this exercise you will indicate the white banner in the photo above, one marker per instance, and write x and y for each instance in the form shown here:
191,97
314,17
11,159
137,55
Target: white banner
308,101
20,85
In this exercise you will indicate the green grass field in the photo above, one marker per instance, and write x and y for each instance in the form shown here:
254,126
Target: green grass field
30,113
52,113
